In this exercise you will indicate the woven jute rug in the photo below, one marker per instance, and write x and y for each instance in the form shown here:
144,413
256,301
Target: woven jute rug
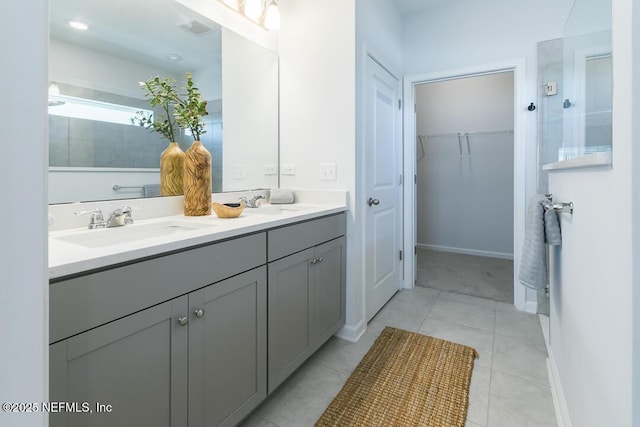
405,379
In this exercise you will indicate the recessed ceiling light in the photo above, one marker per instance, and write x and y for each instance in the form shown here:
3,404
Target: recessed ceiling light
78,25
174,57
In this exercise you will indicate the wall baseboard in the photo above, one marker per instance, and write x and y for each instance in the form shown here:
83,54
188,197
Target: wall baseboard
352,333
531,307
465,251
559,401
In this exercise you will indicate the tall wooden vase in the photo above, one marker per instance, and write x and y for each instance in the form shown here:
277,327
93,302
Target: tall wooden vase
171,170
197,180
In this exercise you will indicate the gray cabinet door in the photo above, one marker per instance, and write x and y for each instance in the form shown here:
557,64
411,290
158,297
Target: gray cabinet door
136,364
227,349
329,283
289,301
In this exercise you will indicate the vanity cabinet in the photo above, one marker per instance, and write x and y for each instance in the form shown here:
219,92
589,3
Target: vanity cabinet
306,291
228,350
196,337
198,359
136,364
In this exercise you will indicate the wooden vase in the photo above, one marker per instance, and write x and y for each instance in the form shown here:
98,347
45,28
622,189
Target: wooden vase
197,180
171,170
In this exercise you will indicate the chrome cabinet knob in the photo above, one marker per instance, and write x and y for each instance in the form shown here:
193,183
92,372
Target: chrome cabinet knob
183,321
199,313
373,201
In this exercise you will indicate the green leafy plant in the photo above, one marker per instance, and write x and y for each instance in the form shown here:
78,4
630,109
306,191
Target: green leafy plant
160,93
189,110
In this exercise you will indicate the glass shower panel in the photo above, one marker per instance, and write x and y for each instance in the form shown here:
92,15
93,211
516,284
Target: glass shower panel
574,98
575,87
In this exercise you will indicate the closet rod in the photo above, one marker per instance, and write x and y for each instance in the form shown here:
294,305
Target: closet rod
469,133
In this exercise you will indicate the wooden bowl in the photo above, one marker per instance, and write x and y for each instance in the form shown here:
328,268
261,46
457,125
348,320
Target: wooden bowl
224,211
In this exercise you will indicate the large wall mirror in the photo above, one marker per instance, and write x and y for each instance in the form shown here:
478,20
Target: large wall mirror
96,152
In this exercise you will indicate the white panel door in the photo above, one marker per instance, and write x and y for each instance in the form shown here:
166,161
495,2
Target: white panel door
383,187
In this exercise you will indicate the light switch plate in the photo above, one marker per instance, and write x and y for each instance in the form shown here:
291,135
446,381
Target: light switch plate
239,172
328,171
551,88
270,170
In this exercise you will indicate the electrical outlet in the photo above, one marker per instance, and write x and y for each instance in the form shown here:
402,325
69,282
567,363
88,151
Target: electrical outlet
238,172
270,170
288,169
328,171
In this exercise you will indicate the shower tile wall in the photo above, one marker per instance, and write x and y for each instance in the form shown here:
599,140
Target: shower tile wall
550,69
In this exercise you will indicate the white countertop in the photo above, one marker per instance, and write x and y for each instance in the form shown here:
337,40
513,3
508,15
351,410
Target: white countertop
70,258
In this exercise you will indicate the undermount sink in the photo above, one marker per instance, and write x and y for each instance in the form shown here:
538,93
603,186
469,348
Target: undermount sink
275,209
129,233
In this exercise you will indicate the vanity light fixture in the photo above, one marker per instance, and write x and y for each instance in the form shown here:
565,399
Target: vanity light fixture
272,16
78,25
233,4
54,91
253,9
263,12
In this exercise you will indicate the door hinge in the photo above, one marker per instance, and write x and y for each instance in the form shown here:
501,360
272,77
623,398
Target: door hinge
415,250
415,179
415,109
400,180
399,104
400,255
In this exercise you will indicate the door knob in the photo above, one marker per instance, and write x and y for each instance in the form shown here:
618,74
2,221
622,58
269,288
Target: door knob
373,201
199,313
183,321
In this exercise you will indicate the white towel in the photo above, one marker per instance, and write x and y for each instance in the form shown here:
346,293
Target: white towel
151,190
541,227
281,196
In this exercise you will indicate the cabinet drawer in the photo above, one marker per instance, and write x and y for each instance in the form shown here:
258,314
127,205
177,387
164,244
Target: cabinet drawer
297,237
85,302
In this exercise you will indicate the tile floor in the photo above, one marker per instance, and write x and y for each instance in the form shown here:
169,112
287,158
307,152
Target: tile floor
509,385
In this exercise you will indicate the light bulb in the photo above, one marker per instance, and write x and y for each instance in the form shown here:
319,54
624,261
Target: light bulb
54,89
272,17
253,9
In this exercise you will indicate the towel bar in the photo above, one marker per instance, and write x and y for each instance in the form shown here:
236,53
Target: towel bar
559,207
117,187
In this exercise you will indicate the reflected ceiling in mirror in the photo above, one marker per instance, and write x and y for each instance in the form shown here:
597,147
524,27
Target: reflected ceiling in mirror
94,76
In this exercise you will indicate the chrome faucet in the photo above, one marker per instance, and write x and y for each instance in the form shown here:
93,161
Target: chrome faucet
96,220
117,218
253,202
120,217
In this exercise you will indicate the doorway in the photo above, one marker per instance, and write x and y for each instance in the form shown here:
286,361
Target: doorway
469,176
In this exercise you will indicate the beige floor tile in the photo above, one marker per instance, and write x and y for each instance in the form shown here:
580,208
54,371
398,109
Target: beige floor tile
302,399
479,395
417,301
521,325
487,303
517,402
463,313
519,358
